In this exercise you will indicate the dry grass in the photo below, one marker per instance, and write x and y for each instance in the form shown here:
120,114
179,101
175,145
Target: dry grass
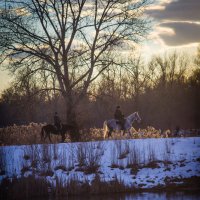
135,155
24,134
32,187
30,134
89,157
23,188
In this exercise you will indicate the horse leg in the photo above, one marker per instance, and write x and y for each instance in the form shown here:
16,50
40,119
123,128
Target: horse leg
129,133
104,134
45,136
42,134
110,133
49,136
105,129
63,137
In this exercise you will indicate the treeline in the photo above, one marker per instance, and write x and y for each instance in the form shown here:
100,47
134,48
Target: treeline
165,91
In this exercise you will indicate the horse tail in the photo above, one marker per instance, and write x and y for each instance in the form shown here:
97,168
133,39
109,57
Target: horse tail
42,133
105,129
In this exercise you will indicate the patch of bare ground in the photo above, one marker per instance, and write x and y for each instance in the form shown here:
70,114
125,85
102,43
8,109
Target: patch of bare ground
88,169
174,183
114,166
63,168
46,173
152,165
198,159
134,168
25,169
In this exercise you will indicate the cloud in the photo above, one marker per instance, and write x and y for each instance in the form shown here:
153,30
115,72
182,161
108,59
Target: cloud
178,21
181,10
184,33
158,6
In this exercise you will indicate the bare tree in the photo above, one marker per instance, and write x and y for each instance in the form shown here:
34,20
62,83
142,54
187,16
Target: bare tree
72,39
138,77
169,77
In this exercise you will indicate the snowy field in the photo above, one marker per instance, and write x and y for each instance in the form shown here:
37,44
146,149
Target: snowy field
137,163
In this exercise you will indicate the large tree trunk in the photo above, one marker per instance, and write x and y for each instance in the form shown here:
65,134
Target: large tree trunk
71,118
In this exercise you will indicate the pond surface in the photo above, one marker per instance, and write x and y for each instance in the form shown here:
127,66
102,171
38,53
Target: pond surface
143,196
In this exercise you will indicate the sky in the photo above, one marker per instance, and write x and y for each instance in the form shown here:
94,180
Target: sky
176,27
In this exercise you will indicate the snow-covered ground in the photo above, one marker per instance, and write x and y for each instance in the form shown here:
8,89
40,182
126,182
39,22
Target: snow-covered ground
138,163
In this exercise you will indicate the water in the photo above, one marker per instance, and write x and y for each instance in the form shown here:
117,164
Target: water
143,196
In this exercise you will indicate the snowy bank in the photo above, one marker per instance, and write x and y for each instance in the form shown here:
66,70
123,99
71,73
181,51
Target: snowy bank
135,163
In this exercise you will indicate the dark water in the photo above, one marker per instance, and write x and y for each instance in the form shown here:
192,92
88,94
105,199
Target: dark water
143,196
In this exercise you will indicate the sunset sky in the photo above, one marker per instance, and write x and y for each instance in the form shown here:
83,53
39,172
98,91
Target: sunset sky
176,27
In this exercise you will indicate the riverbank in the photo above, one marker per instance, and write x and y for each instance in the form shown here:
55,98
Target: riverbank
140,165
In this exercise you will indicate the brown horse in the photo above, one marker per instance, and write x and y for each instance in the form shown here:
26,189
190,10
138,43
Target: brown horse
49,129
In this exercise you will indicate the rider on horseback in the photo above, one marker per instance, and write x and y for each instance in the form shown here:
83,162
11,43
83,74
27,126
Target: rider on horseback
119,117
57,121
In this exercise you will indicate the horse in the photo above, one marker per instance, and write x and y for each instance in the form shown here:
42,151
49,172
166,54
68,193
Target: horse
111,125
49,129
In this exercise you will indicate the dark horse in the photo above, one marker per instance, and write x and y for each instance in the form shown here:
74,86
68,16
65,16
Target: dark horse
49,129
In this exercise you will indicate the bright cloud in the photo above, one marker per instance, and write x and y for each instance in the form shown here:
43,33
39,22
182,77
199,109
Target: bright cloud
177,26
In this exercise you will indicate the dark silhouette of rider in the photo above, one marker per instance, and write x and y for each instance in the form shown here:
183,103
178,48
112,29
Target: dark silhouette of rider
119,117
57,121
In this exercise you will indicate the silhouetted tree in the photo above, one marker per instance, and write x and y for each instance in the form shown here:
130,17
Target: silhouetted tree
73,40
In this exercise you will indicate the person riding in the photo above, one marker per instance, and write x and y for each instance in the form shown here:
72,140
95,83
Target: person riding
57,121
119,117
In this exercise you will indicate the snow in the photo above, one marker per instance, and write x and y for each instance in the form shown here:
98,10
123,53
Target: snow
174,158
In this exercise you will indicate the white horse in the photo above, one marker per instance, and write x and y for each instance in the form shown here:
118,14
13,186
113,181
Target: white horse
111,125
